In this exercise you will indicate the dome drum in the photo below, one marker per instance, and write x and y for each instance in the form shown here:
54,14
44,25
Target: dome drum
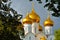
48,25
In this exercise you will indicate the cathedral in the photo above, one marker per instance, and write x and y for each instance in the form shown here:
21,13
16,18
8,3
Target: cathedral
33,30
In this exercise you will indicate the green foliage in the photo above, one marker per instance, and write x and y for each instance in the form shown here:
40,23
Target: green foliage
51,5
9,21
57,34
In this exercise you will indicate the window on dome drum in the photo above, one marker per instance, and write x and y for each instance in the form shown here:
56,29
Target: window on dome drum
50,31
46,31
29,38
29,29
26,29
35,29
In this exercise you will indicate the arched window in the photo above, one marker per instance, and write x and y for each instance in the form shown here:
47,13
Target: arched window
35,29
29,38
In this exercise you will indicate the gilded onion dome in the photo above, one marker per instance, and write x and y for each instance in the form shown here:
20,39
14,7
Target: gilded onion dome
40,28
48,22
34,16
27,20
43,38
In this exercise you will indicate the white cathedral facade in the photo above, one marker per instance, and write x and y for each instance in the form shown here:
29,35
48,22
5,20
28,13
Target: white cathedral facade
34,31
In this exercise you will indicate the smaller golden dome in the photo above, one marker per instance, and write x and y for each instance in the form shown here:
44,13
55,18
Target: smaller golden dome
48,22
43,38
27,20
33,15
40,28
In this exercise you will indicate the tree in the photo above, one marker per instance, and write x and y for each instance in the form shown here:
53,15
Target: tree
51,5
57,34
9,21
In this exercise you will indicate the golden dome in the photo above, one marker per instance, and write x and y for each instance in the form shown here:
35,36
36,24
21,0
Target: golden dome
34,16
48,22
43,38
40,28
27,20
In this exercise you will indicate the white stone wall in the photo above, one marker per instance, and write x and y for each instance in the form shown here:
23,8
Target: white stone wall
48,30
35,28
29,36
27,28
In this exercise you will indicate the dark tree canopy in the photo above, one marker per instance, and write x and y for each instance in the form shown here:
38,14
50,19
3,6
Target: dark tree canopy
9,21
51,5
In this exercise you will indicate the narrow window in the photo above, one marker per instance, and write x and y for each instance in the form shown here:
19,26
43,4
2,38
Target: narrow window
35,29
29,38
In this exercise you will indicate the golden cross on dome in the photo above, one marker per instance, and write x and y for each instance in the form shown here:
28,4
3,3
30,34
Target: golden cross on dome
32,5
27,13
49,14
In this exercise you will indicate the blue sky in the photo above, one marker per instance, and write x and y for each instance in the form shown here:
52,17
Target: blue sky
22,6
